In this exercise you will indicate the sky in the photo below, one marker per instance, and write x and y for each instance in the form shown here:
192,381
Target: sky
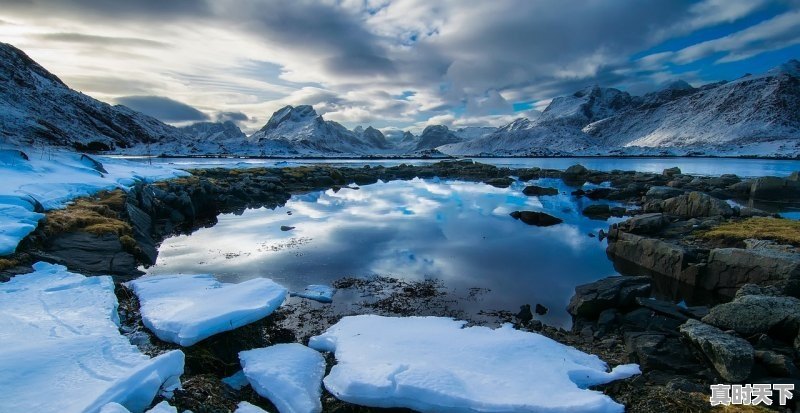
392,64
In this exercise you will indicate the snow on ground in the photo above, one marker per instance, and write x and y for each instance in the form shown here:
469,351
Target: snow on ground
435,364
237,381
50,179
245,407
289,375
316,292
163,407
185,309
62,350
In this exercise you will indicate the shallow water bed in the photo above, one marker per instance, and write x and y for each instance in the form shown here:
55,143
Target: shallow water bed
459,233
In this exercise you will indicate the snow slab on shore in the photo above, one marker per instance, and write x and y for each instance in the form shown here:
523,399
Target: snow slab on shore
163,407
316,292
36,182
245,407
436,364
62,349
184,309
289,375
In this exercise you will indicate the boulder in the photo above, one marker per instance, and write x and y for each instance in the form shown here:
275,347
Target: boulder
777,364
602,211
575,170
612,292
649,253
731,356
730,268
495,182
644,224
539,219
660,351
92,254
754,314
672,171
534,190
663,192
770,188
695,205
598,193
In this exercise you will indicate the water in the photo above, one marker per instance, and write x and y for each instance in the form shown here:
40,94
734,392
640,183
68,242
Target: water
694,166
459,233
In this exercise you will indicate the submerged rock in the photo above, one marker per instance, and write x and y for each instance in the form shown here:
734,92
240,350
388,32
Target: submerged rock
534,190
540,219
731,356
602,211
499,182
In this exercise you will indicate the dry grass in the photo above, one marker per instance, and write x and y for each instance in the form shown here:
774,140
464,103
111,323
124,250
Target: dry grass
93,215
781,230
6,263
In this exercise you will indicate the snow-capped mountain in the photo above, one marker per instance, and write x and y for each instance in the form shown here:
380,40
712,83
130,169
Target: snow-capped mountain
301,131
754,115
37,108
372,137
434,136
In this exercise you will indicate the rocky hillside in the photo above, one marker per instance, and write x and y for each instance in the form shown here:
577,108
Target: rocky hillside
37,108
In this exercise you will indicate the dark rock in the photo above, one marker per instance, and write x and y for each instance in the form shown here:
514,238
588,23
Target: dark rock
607,318
658,351
731,356
612,292
499,182
524,316
534,190
770,188
776,364
652,254
575,170
696,204
92,254
662,307
578,193
730,268
286,228
753,314
601,235
93,163
644,224
672,171
540,309
540,219
663,192
597,211
598,193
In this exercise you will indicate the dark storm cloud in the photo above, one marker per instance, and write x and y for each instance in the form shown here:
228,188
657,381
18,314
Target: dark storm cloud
331,32
231,116
161,108
98,40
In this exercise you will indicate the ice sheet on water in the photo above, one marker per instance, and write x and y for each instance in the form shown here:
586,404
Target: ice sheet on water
60,333
435,364
185,309
316,292
289,375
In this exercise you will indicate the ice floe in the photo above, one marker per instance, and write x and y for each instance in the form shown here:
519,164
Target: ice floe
289,375
316,292
35,182
245,407
185,309
237,381
436,364
62,349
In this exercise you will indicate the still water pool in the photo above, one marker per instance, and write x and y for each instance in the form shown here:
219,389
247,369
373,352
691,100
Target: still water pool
459,233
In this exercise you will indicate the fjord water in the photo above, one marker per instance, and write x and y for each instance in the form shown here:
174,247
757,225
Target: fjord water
459,233
693,166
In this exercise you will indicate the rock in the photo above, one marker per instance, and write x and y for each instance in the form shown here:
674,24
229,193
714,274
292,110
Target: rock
672,171
540,309
730,268
659,351
695,205
662,307
93,163
663,192
612,292
286,228
534,190
776,364
92,254
496,182
753,314
607,318
652,254
795,176
540,219
598,193
770,188
644,224
601,235
524,316
597,211
731,356
575,170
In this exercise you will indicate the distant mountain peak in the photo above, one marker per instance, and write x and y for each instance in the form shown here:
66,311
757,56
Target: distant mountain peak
679,84
792,67
300,113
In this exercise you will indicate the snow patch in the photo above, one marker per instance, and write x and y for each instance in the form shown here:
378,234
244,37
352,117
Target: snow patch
185,309
435,364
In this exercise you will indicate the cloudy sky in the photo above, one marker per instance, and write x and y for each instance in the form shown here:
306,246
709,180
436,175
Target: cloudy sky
390,63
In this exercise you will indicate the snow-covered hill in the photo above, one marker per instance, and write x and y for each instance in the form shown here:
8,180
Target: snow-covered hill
37,108
751,116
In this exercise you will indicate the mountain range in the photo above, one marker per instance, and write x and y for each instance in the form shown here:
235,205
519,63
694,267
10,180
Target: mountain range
756,115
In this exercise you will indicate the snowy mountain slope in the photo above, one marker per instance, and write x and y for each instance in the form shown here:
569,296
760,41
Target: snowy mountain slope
37,108
436,135
302,130
372,137
751,116
744,112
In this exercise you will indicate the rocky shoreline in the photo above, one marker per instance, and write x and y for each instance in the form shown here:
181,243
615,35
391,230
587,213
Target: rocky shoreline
738,320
